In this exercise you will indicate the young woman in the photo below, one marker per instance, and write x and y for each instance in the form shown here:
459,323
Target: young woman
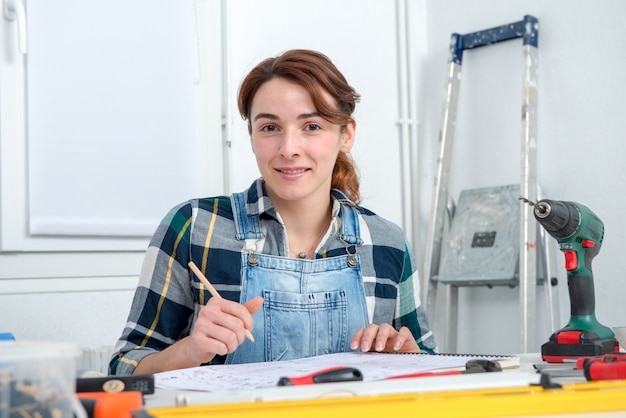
298,263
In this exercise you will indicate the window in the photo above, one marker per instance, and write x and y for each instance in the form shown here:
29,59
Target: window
100,133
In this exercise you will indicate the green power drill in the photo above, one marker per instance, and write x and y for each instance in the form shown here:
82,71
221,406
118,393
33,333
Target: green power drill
579,233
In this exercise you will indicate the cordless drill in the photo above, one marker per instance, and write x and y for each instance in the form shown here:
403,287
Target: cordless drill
579,233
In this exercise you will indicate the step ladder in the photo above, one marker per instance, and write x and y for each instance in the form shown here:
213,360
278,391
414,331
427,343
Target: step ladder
442,211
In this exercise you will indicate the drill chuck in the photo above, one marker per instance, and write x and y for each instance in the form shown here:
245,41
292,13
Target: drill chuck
559,218
542,209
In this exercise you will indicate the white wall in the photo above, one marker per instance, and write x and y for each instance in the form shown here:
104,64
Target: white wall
580,152
61,296
360,38
580,149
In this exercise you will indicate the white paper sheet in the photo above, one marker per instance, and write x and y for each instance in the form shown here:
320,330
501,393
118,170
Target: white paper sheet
373,366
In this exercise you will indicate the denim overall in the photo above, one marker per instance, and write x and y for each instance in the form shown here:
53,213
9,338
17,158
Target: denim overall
311,307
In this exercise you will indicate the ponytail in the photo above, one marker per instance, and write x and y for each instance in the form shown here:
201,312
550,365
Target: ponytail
346,177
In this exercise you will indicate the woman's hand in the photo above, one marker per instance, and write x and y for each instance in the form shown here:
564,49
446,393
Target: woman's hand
220,327
384,338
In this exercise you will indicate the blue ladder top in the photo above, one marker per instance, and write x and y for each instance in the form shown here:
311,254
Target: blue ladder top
528,29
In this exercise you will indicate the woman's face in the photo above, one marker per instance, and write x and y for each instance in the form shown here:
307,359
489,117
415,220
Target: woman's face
295,147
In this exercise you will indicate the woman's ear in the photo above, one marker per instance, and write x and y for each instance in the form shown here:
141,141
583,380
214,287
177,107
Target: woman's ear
347,137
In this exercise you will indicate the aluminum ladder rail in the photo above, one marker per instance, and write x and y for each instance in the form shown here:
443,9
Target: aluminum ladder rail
528,30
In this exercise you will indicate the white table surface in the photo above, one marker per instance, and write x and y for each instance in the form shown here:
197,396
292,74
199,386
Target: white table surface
522,376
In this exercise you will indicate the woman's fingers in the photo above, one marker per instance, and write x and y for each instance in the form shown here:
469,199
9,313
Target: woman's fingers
384,338
221,326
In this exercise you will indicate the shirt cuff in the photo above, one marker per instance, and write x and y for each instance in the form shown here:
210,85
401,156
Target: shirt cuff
125,364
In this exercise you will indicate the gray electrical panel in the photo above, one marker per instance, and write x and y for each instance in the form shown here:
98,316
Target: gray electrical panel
482,247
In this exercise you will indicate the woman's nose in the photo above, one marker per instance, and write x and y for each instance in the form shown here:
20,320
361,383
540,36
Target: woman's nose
290,144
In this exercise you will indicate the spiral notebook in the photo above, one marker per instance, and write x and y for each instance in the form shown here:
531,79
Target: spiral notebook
373,366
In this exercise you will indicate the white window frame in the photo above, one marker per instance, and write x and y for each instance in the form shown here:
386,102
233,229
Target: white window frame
14,183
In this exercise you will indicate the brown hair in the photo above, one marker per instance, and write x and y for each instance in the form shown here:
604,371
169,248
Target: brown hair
317,74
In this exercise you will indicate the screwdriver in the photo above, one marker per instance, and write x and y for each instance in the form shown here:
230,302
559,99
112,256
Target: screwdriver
606,367
330,375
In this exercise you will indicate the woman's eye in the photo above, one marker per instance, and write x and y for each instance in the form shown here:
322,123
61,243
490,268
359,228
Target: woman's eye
313,127
269,128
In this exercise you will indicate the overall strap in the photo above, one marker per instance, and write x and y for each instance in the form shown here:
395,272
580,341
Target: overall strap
247,226
350,231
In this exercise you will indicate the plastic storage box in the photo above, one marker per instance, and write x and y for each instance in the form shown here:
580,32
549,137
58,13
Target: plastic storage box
37,378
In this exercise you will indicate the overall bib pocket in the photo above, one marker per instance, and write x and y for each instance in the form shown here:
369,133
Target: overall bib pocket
316,322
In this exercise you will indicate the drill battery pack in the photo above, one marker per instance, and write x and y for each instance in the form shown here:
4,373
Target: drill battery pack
575,344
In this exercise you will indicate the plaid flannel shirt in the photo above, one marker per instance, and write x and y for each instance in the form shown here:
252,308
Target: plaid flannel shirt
167,299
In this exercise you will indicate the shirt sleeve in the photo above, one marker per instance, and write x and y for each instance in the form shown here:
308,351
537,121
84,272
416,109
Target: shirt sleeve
410,311
162,309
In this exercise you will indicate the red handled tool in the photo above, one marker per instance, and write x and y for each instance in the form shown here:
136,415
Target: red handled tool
472,366
606,367
610,366
330,375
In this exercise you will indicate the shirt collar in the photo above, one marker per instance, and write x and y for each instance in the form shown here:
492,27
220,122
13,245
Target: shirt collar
258,202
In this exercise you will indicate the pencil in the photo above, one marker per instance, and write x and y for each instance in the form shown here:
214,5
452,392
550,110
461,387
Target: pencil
212,290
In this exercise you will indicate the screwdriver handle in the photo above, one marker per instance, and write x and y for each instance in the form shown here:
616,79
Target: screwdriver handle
606,371
584,362
333,374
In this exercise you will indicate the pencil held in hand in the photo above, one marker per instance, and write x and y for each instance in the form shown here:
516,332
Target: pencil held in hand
212,290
